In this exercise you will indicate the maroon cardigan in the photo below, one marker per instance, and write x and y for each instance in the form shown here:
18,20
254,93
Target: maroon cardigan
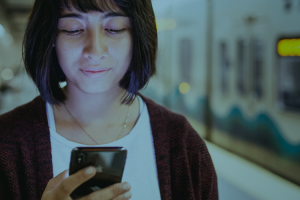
184,166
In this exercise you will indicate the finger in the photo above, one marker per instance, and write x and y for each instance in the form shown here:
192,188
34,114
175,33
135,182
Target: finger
54,182
114,191
68,185
125,196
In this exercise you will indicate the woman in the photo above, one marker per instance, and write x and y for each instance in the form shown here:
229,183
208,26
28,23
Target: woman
105,50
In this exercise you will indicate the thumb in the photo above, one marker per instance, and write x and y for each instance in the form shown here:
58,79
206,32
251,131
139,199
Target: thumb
54,182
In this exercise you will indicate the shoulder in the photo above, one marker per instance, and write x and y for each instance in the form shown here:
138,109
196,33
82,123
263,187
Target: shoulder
161,112
21,118
173,124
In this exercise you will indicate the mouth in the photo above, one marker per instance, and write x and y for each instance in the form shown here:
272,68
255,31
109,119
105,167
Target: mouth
94,73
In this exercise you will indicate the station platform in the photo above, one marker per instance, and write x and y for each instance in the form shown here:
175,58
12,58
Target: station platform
239,179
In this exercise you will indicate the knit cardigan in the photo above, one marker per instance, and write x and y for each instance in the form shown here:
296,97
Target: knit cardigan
184,166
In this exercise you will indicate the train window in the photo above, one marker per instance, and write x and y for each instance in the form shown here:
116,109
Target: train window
289,73
289,83
241,68
287,5
257,65
185,56
224,62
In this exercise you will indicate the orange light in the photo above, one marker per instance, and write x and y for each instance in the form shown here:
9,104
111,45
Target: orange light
289,47
184,88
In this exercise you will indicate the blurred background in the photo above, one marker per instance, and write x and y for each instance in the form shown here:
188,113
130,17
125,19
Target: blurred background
232,67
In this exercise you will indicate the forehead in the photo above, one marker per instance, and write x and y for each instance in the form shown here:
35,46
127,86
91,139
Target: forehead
89,5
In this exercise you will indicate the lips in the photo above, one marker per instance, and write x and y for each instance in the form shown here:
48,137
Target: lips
94,73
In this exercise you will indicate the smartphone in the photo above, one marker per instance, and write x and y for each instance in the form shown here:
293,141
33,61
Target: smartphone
108,161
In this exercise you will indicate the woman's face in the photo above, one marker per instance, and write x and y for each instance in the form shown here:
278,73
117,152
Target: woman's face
93,49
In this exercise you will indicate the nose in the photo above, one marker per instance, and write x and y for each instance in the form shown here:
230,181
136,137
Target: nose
95,45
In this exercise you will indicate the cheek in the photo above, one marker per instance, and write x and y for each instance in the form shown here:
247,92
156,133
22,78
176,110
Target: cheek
60,48
65,52
122,50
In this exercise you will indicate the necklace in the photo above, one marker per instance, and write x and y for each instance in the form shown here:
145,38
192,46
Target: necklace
125,123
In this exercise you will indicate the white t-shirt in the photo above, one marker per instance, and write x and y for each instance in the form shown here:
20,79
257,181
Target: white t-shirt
140,168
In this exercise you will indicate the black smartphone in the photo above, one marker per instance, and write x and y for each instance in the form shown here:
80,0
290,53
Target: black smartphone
108,161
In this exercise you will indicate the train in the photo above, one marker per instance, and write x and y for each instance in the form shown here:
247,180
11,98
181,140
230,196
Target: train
233,68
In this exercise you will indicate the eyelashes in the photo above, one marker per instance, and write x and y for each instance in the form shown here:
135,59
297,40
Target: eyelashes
79,31
75,32
115,31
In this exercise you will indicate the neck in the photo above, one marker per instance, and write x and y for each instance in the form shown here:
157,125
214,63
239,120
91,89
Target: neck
101,107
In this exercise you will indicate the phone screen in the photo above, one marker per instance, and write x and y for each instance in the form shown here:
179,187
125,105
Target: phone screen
108,161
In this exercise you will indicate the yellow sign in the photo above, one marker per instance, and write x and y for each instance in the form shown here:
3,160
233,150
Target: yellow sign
289,47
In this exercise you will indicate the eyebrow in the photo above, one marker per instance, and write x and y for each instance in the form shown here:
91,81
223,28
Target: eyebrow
79,16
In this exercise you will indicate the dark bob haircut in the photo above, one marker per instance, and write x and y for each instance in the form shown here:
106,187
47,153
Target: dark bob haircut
40,57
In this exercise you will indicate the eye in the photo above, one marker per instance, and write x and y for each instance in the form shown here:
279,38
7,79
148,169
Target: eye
75,32
115,31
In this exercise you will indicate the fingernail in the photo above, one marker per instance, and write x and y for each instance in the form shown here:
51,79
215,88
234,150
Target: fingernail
127,194
89,170
126,186
66,174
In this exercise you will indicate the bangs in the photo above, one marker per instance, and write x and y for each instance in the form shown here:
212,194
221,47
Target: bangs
90,5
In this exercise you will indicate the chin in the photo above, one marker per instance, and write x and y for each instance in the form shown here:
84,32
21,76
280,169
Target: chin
95,90
98,88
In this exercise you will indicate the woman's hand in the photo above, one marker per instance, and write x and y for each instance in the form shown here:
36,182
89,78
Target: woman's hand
60,187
